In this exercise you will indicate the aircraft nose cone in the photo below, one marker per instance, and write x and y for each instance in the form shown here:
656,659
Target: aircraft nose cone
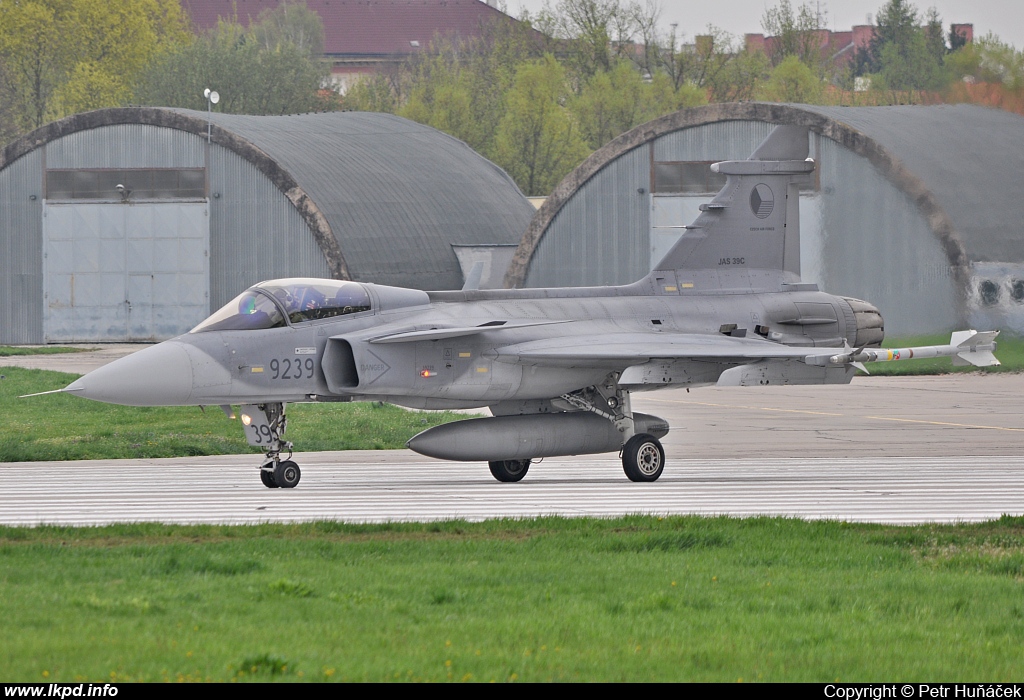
156,376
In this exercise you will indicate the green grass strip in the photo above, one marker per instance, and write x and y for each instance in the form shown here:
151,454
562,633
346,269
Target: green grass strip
12,350
626,599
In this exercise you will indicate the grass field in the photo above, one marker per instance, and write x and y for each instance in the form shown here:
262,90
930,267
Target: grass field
61,426
630,599
12,350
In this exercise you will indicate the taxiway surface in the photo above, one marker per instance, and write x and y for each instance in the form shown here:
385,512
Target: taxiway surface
896,450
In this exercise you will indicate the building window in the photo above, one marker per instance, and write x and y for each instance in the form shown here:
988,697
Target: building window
694,177
989,291
1017,291
136,184
686,177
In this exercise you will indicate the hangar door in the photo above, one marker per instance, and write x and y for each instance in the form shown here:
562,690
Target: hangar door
124,271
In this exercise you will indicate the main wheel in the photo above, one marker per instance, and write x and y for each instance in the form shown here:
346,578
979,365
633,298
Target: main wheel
509,470
643,459
287,474
267,477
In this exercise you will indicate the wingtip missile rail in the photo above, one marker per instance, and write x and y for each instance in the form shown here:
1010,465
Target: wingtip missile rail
965,347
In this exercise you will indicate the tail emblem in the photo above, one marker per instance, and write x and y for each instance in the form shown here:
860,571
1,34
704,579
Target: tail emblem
762,201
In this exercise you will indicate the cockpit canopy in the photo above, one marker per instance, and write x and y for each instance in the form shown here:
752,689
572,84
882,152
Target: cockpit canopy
279,303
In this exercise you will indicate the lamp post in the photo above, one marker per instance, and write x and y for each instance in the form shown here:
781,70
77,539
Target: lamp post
212,98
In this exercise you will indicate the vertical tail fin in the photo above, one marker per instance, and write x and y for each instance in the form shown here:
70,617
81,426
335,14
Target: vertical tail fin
753,223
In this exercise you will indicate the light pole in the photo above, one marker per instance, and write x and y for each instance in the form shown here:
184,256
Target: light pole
212,98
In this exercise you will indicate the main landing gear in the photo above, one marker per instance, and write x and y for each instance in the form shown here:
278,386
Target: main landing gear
264,428
643,457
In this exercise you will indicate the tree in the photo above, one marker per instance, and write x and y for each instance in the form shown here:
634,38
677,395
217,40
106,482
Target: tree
988,60
796,34
903,56
792,81
907,68
614,102
383,91
538,142
645,22
251,78
896,23
65,56
934,40
8,115
594,33
442,96
664,98
739,77
290,24
718,65
458,84
35,54
609,104
587,27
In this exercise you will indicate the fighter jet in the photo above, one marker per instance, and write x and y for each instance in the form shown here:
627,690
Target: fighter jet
556,367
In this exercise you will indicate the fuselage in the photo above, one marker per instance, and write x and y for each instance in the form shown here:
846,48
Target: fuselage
343,357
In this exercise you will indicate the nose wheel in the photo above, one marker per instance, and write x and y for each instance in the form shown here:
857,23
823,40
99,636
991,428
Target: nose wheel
267,475
280,474
287,474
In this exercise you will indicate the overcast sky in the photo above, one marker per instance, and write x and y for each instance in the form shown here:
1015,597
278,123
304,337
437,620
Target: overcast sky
1004,18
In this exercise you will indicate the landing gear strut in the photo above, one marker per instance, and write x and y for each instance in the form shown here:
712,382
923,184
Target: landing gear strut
264,428
643,458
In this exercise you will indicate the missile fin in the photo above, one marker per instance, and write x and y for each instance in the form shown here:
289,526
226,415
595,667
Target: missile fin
975,348
972,339
978,358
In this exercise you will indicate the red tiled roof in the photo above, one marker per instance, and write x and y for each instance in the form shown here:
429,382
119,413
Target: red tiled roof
367,27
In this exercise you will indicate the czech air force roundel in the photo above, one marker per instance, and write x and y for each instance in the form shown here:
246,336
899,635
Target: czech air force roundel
762,201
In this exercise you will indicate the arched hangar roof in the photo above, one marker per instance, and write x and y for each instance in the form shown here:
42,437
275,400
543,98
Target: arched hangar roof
959,164
385,197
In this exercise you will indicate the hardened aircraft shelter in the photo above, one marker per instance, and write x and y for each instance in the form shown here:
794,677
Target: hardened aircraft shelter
134,223
917,208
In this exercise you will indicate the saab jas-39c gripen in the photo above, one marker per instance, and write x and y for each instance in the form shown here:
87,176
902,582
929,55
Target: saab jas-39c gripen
556,367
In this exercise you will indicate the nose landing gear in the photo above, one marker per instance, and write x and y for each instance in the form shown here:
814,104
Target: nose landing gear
264,428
